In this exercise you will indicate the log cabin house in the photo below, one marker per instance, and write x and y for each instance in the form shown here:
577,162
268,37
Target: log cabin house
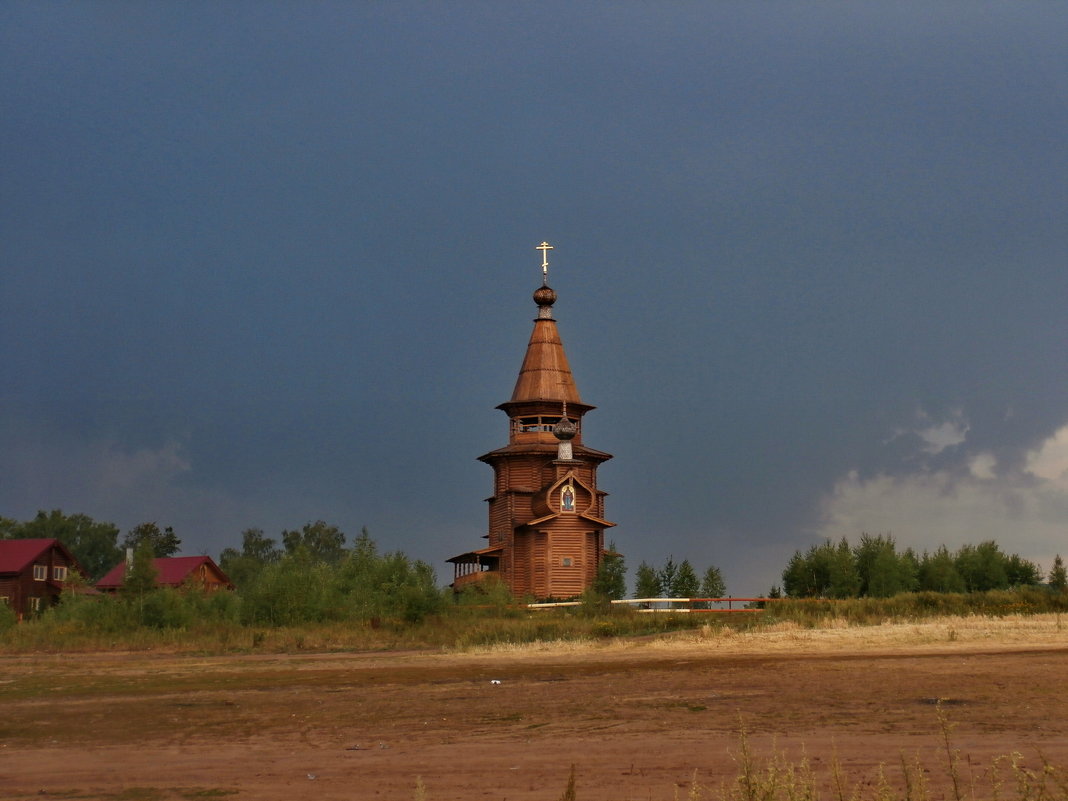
174,571
33,573
546,514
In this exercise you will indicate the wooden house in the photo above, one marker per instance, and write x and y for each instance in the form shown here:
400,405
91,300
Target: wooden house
175,571
546,513
33,573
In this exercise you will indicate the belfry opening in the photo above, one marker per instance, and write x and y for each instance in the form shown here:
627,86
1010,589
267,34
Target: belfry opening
545,535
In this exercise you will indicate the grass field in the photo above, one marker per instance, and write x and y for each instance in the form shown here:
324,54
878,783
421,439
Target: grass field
955,707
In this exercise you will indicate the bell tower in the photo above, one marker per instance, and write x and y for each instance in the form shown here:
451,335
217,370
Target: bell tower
546,513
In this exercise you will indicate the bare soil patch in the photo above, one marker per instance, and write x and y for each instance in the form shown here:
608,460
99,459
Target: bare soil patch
637,720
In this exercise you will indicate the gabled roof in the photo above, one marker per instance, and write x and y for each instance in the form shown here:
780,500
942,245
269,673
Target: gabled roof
539,520
171,571
17,555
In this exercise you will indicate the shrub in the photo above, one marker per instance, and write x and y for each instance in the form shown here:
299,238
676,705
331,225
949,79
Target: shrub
8,618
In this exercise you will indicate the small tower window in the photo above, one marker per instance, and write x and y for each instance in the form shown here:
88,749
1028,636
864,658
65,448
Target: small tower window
567,561
524,425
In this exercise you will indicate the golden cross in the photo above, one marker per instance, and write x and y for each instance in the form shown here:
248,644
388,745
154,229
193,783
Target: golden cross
544,247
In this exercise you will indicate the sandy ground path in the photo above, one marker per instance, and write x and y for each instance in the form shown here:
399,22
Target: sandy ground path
637,720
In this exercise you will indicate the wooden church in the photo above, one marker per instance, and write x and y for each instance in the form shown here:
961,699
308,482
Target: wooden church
546,514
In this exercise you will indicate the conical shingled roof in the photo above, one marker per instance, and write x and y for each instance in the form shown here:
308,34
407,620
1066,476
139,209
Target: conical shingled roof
545,374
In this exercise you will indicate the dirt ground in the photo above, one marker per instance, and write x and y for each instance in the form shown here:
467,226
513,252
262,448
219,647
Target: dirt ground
636,719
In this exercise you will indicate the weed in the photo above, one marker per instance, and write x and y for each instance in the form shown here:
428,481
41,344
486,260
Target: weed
569,791
775,778
952,754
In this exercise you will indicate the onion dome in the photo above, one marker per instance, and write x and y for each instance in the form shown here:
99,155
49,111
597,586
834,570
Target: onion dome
544,296
565,430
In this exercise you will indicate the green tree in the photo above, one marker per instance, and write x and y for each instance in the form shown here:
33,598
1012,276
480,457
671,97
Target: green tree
139,580
885,579
808,575
257,551
1058,576
92,543
611,579
666,576
883,572
795,577
295,589
712,584
843,578
982,567
686,584
938,572
1021,572
163,543
646,582
392,585
323,542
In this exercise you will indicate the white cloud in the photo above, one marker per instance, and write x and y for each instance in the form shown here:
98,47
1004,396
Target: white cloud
1025,512
1050,460
936,436
982,466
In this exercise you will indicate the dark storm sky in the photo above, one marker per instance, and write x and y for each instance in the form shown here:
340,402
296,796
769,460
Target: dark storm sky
262,263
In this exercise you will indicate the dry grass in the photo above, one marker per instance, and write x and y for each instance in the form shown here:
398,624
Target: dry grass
835,635
838,634
774,777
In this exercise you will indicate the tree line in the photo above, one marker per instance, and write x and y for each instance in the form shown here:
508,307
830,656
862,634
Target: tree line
310,575
313,573
678,580
875,568
314,576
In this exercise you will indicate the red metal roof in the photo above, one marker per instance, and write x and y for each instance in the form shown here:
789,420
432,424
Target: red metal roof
17,555
171,571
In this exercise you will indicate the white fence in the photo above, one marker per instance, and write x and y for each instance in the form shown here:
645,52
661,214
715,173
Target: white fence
676,605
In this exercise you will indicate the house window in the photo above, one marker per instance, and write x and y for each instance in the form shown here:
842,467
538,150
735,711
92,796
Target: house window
40,572
567,561
59,573
5,600
35,604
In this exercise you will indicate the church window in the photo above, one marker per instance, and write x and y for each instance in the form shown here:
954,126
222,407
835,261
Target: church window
567,562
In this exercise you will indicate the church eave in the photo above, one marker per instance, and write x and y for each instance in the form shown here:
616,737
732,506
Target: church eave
544,518
574,408
542,449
